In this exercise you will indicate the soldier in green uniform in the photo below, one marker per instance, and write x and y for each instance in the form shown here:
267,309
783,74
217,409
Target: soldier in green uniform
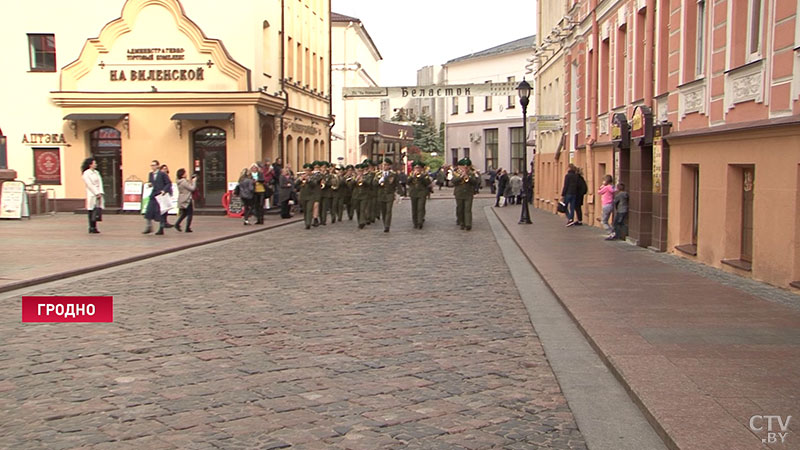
317,190
386,183
418,188
338,188
359,199
307,193
464,181
348,181
369,174
326,196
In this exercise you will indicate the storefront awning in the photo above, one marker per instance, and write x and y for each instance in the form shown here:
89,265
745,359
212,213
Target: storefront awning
95,116
202,116
227,116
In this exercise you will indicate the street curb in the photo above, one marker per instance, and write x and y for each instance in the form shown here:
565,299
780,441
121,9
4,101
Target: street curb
660,431
107,265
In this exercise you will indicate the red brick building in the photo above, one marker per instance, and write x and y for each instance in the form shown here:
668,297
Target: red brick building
695,106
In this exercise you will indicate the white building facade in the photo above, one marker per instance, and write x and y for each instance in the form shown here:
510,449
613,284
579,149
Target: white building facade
355,63
488,130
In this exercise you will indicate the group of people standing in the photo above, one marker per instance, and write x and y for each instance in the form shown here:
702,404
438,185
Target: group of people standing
614,200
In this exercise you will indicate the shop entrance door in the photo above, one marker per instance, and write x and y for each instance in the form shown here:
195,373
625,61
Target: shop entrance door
106,147
210,162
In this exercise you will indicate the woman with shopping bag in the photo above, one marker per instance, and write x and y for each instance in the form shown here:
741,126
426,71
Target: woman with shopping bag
94,193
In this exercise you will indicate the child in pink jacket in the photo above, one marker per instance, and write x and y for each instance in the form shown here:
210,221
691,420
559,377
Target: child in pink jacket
606,193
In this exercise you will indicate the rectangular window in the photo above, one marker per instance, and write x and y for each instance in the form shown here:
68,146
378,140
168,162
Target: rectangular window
605,79
315,73
517,150
299,57
290,59
454,103
42,52
454,157
621,66
466,152
754,41
490,143
322,75
701,38
511,99
307,79
470,104
748,182
695,203
638,73
487,101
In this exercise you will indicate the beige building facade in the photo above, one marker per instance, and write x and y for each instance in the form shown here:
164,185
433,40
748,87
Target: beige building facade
193,87
552,157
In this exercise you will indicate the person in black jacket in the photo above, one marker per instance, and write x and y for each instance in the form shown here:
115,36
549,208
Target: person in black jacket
502,182
582,190
570,193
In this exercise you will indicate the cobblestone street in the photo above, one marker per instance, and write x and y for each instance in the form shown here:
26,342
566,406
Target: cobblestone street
328,338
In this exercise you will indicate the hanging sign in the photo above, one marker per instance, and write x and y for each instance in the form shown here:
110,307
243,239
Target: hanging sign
642,125
620,131
657,161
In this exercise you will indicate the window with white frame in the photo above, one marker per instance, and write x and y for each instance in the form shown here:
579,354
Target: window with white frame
701,38
754,29
511,99
455,105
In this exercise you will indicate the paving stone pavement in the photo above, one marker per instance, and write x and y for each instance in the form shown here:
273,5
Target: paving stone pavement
328,338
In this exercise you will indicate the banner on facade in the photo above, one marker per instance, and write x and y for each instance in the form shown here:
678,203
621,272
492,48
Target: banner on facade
432,91
546,123
132,196
657,161
47,165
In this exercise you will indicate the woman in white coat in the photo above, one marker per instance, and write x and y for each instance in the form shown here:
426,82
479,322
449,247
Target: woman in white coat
94,192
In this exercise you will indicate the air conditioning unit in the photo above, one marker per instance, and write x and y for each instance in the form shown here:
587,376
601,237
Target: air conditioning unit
475,138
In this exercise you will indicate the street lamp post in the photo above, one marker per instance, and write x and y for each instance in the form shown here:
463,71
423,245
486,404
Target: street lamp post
524,91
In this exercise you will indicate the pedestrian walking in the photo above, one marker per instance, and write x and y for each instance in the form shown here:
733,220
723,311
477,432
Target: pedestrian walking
259,191
185,202
583,189
161,185
246,193
620,213
440,175
514,188
606,193
570,193
502,182
94,193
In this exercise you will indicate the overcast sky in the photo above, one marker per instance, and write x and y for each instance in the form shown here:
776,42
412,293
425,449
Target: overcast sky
415,33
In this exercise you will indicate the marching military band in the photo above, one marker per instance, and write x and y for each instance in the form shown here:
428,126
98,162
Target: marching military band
367,192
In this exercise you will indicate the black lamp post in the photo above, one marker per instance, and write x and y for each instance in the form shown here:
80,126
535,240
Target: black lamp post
524,91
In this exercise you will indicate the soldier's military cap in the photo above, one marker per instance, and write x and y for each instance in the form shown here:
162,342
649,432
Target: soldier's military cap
465,162
387,161
418,163
350,166
307,166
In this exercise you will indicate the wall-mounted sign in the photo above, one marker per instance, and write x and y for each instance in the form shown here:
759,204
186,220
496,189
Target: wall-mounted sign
433,91
47,165
642,125
620,131
43,138
155,54
300,128
657,162
157,75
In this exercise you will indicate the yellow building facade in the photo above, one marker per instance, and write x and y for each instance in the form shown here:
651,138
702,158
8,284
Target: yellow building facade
206,89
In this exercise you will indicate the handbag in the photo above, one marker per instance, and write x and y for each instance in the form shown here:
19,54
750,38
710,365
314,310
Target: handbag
97,214
562,207
164,202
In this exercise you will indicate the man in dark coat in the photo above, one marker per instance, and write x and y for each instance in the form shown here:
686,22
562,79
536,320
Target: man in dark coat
502,182
161,185
582,190
570,193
